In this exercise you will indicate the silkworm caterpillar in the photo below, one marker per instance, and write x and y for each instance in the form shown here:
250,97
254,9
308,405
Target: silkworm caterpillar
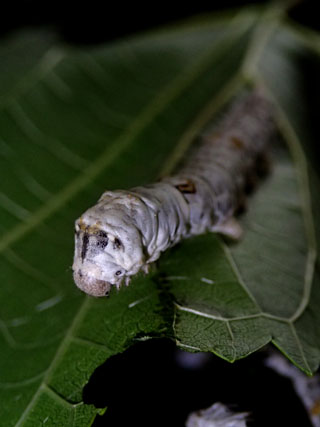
127,230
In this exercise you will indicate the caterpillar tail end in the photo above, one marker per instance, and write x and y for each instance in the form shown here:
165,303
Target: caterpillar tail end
230,229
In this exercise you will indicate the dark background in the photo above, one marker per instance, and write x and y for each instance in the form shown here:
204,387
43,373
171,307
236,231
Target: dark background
154,384
99,21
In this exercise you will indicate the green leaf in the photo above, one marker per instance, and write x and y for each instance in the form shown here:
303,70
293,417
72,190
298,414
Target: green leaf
76,121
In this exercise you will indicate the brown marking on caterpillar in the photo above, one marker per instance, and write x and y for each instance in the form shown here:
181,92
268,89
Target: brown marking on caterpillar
90,229
237,142
95,228
82,224
187,187
315,410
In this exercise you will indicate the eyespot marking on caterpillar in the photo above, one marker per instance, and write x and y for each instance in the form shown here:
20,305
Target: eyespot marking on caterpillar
85,243
102,239
117,244
126,231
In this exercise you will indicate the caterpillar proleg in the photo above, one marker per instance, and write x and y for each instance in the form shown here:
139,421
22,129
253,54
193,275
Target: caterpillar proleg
128,229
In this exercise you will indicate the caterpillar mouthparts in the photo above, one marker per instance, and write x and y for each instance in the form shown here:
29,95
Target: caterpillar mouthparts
127,230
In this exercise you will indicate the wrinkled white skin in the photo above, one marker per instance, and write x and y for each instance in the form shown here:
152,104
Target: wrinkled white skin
127,230
137,231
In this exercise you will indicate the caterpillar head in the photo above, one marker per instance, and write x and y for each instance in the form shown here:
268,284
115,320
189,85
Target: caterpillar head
108,250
